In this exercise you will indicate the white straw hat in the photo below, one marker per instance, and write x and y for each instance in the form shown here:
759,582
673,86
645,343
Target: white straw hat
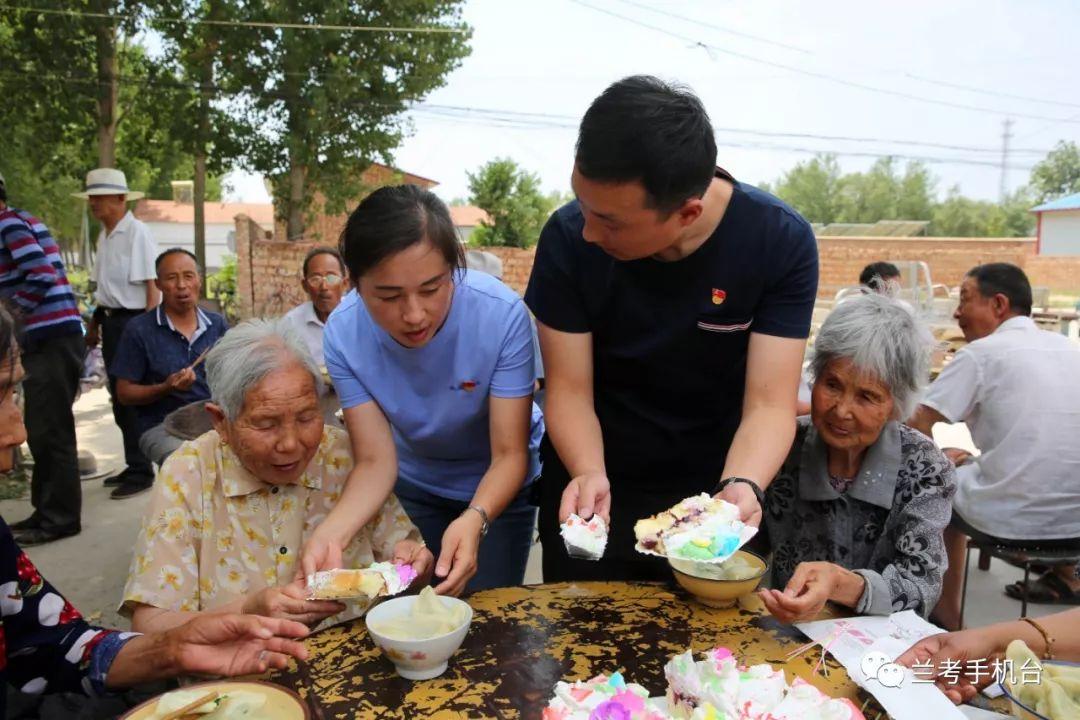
107,181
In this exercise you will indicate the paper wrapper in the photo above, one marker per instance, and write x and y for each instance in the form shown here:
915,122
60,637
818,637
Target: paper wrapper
378,580
576,532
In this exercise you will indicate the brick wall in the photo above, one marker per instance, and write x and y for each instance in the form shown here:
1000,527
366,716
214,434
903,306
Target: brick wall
323,229
268,271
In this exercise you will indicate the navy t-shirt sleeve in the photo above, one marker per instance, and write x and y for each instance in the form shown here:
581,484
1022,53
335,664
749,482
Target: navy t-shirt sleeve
515,372
786,307
131,361
553,294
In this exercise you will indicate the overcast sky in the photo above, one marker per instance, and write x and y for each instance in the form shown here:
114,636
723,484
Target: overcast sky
769,71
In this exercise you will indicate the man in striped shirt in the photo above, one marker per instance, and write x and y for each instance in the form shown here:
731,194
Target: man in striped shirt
34,285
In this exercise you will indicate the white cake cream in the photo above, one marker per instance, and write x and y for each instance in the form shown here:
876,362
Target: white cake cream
585,539
713,688
605,697
378,580
700,528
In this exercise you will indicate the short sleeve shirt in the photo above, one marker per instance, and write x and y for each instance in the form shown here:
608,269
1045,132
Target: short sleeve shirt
214,533
1018,391
670,339
310,327
151,349
124,264
436,396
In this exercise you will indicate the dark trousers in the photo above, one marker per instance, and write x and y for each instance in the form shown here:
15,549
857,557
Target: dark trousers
52,369
632,499
138,467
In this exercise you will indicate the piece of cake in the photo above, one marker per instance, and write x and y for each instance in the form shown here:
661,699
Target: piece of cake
701,528
602,698
717,681
379,580
585,539
803,700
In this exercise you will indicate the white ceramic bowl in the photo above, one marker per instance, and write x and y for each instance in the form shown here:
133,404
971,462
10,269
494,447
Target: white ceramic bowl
417,659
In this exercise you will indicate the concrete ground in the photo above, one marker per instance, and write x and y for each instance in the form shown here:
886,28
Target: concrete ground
91,568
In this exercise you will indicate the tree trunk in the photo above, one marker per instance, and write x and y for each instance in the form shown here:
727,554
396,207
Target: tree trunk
108,89
296,220
199,198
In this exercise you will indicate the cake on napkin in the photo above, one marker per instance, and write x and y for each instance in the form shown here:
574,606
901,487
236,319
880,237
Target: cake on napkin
378,580
700,528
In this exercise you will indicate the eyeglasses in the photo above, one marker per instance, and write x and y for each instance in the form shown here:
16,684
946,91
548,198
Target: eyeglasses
329,280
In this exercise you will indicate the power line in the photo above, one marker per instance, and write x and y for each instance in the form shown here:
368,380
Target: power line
241,23
812,73
729,31
1006,135
992,93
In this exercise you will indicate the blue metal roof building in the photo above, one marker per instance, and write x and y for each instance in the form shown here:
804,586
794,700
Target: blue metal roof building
1058,226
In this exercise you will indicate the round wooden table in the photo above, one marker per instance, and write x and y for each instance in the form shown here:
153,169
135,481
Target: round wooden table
525,639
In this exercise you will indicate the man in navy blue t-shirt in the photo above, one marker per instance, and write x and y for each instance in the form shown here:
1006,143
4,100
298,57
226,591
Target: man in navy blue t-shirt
673,303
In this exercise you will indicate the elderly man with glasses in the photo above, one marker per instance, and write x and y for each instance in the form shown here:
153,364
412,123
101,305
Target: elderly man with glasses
324,282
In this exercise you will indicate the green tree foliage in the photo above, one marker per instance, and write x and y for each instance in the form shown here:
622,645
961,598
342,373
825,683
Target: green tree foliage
1058,174
958,216
512,199
326,104
813,188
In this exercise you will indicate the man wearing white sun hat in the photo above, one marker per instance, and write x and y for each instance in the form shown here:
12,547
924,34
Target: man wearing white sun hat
124,274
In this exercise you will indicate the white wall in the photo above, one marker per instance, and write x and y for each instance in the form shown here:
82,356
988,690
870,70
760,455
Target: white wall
1060,233
169,235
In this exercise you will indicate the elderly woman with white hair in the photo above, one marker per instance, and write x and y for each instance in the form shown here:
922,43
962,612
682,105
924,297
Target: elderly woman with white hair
856,513
231,510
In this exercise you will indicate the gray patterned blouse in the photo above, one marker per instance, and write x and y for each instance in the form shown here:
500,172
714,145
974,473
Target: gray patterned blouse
887,525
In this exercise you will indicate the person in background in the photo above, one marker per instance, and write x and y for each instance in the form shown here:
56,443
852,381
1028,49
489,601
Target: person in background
1018,389
880,275
324,280
434,367
155,364
45,644
123,271
856,513
673,304
964,656
35,284
231,509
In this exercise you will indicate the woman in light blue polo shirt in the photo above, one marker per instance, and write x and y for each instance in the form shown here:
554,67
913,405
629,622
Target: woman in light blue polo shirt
433,364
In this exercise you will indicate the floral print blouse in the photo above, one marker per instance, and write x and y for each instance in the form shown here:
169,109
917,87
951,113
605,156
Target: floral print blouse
887,525
45,645
213,532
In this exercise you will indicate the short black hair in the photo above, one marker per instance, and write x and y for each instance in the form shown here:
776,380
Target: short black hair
3,191
883,270
1005,279
392,219
646,130
173,251
321,250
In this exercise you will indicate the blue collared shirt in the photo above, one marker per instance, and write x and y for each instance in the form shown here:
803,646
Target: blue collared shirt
151,349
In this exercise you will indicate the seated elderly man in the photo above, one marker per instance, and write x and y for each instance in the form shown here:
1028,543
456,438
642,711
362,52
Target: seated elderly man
857,511
231,510
155,358
1018,389
324,282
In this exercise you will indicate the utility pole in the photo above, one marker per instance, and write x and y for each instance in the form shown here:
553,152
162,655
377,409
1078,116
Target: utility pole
1006,135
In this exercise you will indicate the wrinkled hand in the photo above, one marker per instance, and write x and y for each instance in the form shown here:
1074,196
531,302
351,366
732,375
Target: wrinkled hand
742,495
322,551
587,495
959,647
235,644
411,552
457,559
805,595
181,380
290,603
957,456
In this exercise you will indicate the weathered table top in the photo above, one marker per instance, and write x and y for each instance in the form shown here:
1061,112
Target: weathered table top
525,639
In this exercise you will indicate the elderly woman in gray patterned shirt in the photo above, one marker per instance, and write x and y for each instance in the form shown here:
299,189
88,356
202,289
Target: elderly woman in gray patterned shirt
857,512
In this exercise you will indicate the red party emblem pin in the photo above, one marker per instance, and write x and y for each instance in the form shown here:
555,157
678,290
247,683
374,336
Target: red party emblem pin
468,385
718,296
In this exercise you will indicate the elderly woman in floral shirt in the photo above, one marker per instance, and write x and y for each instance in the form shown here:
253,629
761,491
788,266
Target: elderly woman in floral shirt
45,644
231,510
857,512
